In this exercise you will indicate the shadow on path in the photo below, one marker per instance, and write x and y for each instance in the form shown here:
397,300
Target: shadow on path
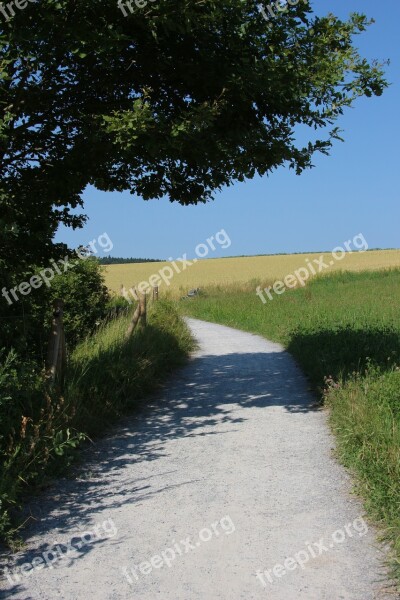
210,391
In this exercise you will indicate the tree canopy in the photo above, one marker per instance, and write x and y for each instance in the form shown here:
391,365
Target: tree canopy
178,98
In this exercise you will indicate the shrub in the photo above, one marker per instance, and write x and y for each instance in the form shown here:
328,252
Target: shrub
85,297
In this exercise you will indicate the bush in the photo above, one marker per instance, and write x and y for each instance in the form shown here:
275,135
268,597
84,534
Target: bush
24,325
85,297
28,420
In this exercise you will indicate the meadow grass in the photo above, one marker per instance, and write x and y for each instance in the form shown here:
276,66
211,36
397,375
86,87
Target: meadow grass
344,331
240,270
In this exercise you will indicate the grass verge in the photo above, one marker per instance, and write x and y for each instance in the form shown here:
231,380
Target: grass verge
344,331
107,376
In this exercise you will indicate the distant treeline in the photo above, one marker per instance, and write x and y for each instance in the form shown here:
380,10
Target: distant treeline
111,260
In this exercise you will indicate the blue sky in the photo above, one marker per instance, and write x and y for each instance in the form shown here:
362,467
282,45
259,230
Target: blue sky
355,190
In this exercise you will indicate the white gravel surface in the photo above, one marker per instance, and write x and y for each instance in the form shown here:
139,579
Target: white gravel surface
227,472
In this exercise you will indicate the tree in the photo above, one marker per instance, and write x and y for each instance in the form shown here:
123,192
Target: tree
177,98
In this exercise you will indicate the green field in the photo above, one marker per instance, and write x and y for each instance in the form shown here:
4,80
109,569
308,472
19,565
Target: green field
344,331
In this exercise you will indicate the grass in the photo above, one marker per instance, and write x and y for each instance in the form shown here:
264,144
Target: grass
365,416
240,270
107,376
344,331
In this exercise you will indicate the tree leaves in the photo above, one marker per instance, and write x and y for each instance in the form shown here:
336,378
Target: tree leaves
178,99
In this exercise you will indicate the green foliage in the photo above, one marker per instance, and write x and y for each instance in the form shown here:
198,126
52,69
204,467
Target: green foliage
29,418
117,305
344,331
25,324
85,297
37,433
19,384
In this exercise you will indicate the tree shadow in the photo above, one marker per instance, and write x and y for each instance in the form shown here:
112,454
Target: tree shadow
209,392
341,352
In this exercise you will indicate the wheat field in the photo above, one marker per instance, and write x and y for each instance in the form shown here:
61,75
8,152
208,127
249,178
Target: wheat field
242,270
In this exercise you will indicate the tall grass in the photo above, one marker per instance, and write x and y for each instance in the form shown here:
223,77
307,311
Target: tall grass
344,331
107,376
365,415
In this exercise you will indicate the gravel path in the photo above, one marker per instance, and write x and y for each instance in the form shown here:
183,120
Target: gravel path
224,487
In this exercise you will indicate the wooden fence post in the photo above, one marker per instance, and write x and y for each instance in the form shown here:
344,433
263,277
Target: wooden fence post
56,357
155,293
133,323
143,309
140,314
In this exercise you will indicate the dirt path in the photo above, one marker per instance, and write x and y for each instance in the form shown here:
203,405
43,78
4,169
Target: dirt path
226,475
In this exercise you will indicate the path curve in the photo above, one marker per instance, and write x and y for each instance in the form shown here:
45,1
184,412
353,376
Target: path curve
228,472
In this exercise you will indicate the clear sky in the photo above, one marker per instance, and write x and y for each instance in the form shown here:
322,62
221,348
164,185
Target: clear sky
355,190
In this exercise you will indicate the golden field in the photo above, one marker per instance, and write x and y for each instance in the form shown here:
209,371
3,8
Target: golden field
263,269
